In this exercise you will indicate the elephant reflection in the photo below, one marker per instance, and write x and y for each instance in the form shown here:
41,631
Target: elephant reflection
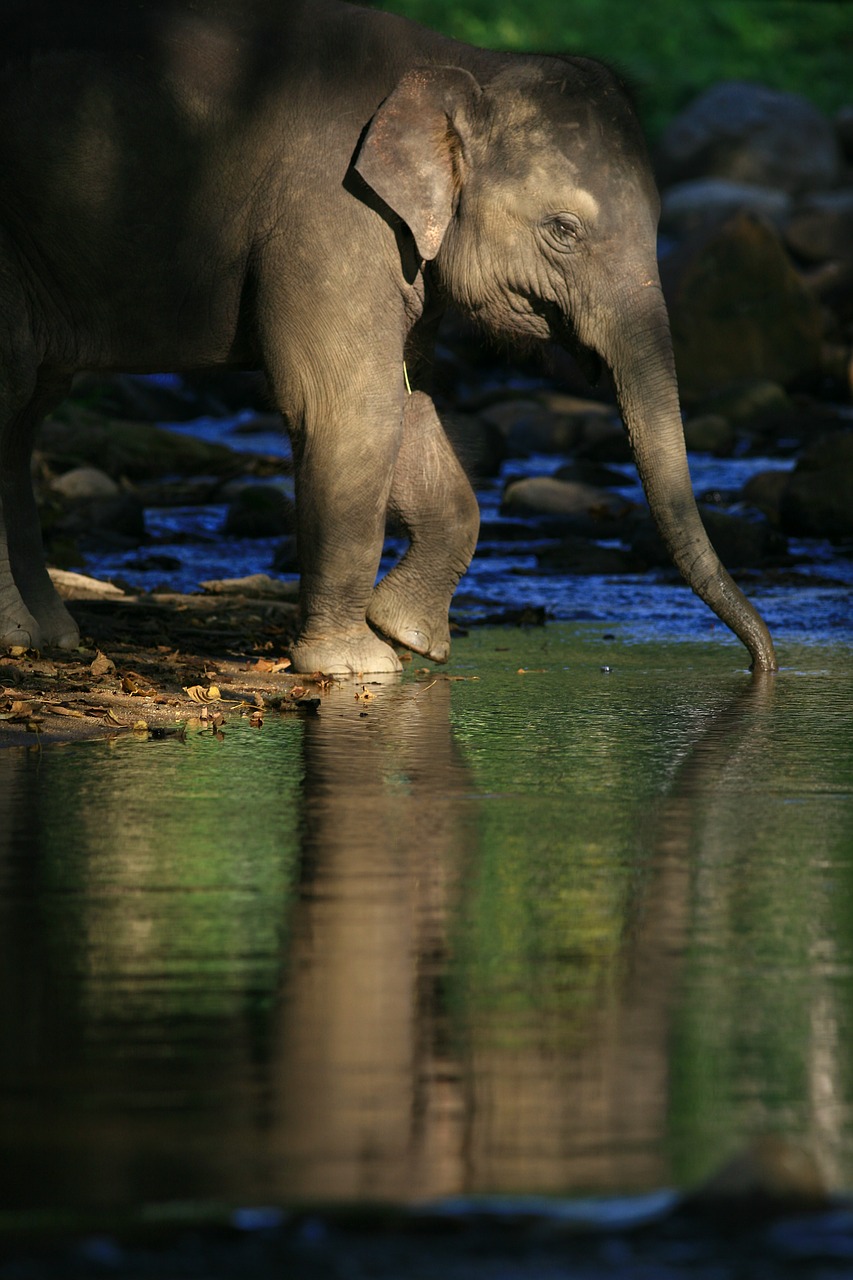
382,1089
368,1094
327,1040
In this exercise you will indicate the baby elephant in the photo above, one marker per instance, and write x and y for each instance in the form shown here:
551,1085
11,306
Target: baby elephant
300,186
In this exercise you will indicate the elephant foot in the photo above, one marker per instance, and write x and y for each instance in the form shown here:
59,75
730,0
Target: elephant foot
36,619
19,629
58,628
417,631
357,654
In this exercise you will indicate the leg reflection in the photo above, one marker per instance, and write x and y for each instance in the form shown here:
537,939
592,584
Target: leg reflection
367,1099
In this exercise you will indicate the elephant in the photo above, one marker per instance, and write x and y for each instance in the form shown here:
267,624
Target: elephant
303,186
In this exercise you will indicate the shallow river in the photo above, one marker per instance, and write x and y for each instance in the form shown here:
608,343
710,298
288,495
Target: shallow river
574,916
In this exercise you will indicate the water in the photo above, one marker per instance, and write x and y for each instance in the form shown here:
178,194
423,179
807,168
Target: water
187,548
574,917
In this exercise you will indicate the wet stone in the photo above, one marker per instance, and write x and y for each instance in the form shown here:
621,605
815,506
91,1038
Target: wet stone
740,543
260,511
816,501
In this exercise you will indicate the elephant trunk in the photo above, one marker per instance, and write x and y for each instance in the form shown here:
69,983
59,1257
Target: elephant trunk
641,360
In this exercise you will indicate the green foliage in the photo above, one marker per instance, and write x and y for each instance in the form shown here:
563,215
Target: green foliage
670,50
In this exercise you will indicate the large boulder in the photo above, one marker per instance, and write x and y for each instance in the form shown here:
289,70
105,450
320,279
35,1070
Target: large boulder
739,310
821,226
260,511
689,206
740,543
750,133
817,501
820,233
582,507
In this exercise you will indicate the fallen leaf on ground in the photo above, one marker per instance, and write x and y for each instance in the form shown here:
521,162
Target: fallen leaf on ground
270,666
102,666
57,709
198,693
132,683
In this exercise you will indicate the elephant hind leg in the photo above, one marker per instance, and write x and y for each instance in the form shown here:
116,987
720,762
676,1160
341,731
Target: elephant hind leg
433,499
31,612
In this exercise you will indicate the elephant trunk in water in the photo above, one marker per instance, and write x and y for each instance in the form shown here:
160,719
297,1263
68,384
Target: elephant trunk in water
641,360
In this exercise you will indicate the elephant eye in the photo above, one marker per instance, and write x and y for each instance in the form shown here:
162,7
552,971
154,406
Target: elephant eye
564,228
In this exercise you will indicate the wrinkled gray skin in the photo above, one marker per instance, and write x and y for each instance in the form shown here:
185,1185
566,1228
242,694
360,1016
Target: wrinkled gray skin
300,185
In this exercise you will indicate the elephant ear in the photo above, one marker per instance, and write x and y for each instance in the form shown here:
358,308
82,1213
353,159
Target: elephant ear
412,152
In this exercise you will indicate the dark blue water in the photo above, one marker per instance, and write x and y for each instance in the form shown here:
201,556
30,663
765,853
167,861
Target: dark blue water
815,603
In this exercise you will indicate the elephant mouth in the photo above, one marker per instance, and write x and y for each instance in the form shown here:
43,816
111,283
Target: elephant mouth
589,362
563,333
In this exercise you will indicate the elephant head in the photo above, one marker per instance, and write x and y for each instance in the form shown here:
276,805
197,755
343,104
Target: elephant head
530,198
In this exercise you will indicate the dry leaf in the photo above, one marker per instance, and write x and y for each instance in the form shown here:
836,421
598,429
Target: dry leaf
102,666
297,691
325,682
198,693
58,710
141,726
132,683
21,710
17,651
271,666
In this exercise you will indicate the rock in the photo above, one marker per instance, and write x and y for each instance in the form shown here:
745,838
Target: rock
75,435
604,440
530,427
588,472
750,133
770,1176
844,131
260,511
764,492
78,586
85,482
285,558
740,543
709,433
749,402
817,501
739,310
515,411
173,397
585,507
820,233
114,521
690,206
142,398
259,586
821,226
576,555
550,423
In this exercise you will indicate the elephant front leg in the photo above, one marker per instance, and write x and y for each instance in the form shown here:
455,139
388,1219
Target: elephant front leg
433,499
343,481
31,612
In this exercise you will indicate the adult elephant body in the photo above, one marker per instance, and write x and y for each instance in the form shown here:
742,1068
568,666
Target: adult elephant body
301,185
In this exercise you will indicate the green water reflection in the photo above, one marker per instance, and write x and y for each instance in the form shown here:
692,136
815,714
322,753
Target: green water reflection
563,929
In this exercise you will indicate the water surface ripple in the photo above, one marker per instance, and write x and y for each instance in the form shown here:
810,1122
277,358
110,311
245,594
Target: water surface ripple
572,917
